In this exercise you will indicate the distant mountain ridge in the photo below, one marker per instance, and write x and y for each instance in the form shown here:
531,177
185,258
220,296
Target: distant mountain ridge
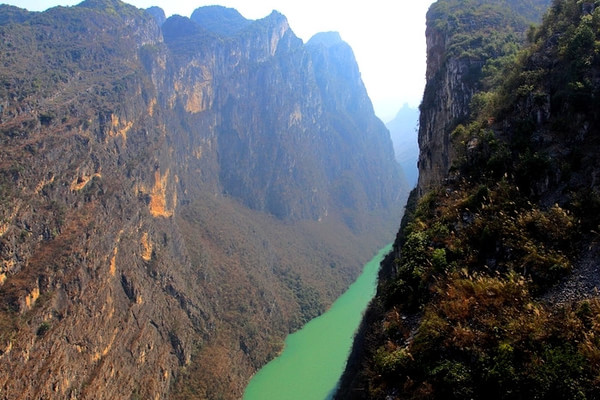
403,131
175,197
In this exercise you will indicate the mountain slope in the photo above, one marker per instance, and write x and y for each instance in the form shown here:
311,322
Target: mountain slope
492,290
170,199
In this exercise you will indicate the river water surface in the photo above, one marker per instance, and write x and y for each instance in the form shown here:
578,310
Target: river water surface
314,357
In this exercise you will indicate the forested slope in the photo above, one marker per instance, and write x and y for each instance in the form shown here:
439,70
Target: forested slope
492,291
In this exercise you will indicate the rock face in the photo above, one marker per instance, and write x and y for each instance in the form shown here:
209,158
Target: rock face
281,129
174,196
450,94
454,71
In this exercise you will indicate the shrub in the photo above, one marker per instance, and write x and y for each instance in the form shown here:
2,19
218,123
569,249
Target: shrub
43,328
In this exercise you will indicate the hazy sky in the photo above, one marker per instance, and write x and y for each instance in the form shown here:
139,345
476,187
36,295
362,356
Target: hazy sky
387,36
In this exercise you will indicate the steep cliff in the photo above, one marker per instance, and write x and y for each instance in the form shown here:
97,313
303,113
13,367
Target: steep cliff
174,199
463,40
492,290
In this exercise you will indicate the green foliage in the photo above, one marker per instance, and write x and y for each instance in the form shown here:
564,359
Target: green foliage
453,378
390,362
438,259
410,283
43,328
472,25
307,297
478,254
486,338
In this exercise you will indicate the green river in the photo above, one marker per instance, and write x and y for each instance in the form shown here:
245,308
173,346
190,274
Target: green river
315,356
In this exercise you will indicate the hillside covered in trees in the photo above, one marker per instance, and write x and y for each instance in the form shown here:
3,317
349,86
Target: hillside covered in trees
491,292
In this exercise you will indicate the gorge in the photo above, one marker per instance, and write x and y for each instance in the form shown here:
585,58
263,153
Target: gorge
178,195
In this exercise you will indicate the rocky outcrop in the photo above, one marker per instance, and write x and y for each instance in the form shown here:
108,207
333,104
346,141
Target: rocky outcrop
170,198
445,103
158,14
459,45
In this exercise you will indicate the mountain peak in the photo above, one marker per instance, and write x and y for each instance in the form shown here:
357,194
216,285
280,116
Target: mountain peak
220,20
275,19
14,14
276,15
158,14
112,8
179,26
326,39
104,4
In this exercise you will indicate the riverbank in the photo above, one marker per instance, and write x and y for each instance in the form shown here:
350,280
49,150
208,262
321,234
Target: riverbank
314,357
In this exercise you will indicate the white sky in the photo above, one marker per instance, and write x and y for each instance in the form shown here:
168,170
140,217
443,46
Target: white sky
387,36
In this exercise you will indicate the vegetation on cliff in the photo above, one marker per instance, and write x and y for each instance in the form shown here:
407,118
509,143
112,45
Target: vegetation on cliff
483,298
465,49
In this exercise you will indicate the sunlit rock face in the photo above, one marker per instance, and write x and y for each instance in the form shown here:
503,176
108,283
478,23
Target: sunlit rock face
446,103
175,193
282,117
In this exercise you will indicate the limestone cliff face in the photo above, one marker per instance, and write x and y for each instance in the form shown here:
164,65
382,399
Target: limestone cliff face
446,100
170,197
279,120
459,45
351,126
